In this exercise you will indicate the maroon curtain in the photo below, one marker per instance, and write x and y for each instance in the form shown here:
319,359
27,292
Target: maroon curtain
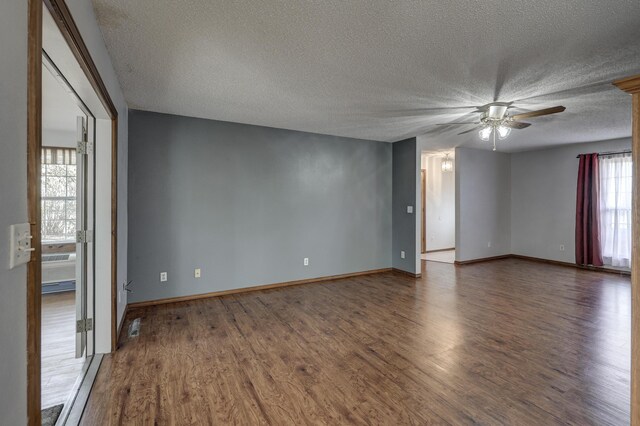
588,213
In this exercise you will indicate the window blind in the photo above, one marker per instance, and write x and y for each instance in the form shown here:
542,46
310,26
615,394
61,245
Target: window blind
62,156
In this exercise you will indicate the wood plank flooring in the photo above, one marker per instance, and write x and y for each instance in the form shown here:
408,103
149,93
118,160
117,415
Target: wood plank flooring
503,342
60,368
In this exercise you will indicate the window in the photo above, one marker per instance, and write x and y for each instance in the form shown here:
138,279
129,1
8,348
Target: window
58,194
615,209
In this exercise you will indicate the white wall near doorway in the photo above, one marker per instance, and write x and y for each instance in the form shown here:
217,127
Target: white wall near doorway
440,205
103,238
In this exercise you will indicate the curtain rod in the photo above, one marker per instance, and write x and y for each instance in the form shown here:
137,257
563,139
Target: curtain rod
626,151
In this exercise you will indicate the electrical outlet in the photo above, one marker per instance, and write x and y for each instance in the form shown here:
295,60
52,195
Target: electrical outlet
561,247
305,262
163,277
197,273
402,254
20,244
489,244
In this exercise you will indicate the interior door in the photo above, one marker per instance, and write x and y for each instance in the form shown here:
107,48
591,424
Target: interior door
90,162
423,210
84,237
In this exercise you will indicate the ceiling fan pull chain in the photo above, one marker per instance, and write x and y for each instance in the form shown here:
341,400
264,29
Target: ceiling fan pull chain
494,139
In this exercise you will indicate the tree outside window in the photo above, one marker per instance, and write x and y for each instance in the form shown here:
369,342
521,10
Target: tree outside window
58,194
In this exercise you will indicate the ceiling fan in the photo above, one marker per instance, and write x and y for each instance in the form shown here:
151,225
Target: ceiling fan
495,121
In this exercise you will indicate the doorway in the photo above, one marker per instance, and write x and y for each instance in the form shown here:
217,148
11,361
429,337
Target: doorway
67,226
438,206
74,223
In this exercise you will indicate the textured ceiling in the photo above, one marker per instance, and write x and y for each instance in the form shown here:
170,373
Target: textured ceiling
382,70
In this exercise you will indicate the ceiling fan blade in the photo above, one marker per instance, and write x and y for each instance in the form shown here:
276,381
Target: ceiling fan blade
516,124
458,122
475,129
538,113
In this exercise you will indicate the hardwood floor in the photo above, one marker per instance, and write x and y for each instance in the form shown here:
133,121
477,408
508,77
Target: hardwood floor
445,256
504,342
60,368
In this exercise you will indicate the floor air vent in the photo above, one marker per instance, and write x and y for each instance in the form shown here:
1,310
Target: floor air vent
134,328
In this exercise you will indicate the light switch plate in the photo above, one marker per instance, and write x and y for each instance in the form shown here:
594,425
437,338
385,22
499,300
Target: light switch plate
409,209
20,245
197,273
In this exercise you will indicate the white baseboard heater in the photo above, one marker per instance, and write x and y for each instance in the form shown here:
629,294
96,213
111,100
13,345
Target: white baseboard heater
58,272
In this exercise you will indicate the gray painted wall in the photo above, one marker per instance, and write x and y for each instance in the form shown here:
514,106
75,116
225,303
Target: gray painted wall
13,209
544,199
440,204
406,164
483,203
246,204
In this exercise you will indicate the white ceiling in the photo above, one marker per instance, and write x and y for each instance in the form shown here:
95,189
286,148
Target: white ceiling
382,70
59,108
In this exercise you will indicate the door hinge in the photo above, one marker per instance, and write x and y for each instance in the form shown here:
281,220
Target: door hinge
84,325
84,236
84,148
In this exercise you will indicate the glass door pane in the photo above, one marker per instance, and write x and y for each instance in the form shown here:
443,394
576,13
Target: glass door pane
84,243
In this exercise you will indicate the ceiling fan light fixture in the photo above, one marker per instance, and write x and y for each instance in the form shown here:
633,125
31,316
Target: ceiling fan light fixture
495,123
497,112
485,133
503,132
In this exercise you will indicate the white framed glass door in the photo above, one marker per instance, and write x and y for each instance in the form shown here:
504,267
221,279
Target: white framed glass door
67,234
84,236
